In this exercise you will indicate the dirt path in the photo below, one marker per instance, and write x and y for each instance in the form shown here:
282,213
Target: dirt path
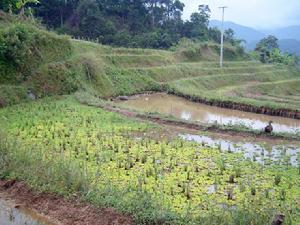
59,210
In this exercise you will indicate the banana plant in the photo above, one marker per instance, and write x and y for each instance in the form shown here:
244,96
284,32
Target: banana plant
21,4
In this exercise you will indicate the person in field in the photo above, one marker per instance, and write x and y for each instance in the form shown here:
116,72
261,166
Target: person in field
269,128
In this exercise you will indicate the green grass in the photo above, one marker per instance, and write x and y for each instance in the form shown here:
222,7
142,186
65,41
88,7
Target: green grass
64,66
183,71
163,70
67,148
11,94
238,87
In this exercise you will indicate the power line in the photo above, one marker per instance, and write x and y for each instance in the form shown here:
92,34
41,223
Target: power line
222,36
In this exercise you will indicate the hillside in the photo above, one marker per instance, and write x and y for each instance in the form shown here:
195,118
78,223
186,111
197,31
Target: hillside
43,63
290,46
292,32
201,78
52,64
250,34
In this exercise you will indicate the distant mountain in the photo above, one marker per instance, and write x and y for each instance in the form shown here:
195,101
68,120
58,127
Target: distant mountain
242,32
289,37
290,46
287,33
286,45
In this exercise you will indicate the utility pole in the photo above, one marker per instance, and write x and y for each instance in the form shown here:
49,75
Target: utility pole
222,36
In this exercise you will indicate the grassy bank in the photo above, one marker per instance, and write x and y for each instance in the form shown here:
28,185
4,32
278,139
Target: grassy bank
67,148
203,79
49,64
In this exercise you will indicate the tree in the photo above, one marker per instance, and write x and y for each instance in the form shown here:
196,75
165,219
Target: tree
214,34
177,9
229,37
56,13
266,46
204,12
197,27
92,22
172,9
269,51
124,22
8,5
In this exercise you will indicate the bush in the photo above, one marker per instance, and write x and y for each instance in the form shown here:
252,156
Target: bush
24,47
188,49
276,56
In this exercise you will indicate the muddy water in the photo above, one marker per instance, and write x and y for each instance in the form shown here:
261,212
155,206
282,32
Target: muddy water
264,154
187,110
10,215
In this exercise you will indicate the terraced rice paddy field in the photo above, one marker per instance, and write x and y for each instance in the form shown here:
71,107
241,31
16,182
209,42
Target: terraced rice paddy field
247,82
153,173
61,146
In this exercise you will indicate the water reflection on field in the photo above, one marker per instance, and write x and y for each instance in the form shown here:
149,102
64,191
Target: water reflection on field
187,110
264,154
10,215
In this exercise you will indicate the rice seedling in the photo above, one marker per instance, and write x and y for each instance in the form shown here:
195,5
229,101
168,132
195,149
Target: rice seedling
68,148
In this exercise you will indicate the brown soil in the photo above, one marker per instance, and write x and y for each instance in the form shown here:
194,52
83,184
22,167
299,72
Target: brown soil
59,210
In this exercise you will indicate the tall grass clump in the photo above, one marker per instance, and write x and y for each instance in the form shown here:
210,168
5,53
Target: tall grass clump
12,94
94,73
44,172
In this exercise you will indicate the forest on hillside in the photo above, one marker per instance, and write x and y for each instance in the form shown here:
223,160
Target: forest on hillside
156,24
127,23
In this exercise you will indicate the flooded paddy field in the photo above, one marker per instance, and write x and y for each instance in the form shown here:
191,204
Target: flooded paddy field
263,153
190,111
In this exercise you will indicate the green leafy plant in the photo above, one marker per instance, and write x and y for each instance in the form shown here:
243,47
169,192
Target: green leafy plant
20,4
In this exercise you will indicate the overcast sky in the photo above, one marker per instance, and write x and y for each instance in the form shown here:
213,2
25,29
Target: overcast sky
261,14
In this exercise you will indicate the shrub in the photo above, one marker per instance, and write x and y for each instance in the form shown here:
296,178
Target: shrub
24,47
190,50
